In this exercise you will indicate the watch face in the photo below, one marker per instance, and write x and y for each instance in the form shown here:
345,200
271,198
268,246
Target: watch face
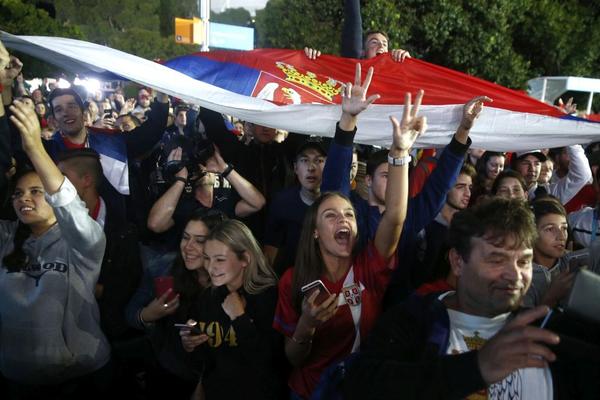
398,162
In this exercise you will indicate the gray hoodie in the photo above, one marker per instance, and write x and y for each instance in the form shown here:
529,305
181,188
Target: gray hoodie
49,319
540,282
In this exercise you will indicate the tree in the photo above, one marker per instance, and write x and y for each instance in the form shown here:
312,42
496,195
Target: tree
128,25
232,16
171,9
21,18
505,41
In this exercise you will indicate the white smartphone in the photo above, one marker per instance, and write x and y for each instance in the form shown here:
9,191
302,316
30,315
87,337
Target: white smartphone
308,289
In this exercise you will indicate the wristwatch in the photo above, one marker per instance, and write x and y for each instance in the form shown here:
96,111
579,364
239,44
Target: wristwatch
398,162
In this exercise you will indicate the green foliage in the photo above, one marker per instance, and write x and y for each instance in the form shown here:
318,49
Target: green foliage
20,18
128,25
296,24
169,9
232,16
505,41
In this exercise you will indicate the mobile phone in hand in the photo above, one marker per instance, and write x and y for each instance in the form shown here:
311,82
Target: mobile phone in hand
162,284
307,291
194,329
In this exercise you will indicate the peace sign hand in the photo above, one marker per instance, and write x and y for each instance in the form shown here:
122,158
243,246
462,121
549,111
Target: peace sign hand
408,130
354,97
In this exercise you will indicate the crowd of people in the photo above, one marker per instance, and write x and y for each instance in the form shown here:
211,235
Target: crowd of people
152,249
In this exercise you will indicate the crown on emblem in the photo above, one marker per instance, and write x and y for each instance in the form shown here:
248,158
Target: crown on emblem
474,342
327,89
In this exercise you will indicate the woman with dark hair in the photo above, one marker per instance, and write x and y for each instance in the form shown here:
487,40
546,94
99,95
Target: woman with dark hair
157,313
488,167
236,344
551,278
52,344
510,184
320,330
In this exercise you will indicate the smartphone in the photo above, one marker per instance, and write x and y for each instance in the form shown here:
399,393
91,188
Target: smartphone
578,259
308,289
546,319
194,330
162,284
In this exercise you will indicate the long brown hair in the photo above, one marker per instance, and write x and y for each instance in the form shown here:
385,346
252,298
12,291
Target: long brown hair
185,282
17,260
309,264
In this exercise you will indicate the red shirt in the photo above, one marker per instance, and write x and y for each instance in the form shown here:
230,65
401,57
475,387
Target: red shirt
70,145
586,197
419,174
333,340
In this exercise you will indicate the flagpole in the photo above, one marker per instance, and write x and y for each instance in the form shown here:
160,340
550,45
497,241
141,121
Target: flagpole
204,8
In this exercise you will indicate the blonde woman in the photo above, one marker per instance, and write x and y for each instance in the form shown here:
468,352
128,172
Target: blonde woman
235,341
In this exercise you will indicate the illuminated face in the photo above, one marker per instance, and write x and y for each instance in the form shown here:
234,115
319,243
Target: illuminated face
552,236
181,119
239,126
144,98
494,166
37,96
309,169
192,244
510,188
40,109
336,228
223,265
376,44
460,194
30,204
495,277
126,124
377,183
354,167
546,171
68,115
530,167
262,134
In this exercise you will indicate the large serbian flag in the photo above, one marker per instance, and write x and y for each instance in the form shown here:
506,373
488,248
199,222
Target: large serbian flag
283,89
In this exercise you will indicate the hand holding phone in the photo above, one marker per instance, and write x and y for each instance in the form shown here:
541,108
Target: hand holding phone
194,329
309,289
162,284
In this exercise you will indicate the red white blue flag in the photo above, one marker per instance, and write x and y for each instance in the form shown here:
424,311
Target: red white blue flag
286,90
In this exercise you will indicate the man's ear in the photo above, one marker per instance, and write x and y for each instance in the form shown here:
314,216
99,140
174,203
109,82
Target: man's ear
88,180
456,261
368,180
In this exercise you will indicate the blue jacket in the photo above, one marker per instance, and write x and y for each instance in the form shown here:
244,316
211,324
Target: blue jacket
422,208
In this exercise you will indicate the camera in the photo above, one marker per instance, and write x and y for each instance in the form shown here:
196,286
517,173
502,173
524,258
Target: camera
195,151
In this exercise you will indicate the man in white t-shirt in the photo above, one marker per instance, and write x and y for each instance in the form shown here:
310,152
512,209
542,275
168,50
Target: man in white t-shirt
469,343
